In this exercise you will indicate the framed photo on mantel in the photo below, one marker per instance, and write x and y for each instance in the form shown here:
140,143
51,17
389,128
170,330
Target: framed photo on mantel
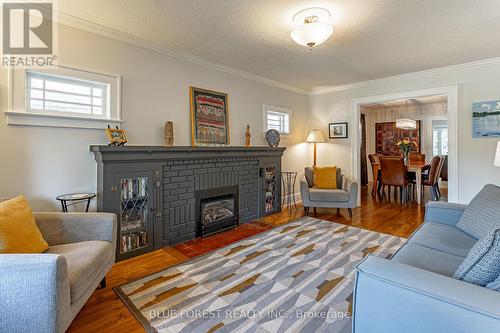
209,117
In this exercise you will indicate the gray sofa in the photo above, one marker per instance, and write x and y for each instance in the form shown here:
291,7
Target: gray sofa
415,291
44,292
344,197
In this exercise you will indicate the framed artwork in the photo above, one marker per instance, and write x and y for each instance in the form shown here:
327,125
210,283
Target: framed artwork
337,130
209,117
387,135
486,119
116,136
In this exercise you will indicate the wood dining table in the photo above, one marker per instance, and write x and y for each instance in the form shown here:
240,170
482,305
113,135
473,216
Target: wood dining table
414,166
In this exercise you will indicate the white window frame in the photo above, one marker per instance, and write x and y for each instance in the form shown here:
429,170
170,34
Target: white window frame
269,108
20,113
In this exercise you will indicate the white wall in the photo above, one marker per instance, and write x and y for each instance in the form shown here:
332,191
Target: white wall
477,83
42,162
426,113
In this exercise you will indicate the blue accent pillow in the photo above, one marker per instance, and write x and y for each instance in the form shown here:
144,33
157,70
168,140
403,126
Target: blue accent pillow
495,285
482,215
482,264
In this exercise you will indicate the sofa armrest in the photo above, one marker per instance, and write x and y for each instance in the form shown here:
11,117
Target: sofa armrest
443,212
304,190
64,228
393,297
350,186
34,293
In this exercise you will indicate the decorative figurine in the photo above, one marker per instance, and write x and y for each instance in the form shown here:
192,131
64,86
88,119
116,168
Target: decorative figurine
273,138
247,136
168,134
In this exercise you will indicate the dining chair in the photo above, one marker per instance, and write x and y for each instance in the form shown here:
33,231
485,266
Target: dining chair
375,163
394,173
432,177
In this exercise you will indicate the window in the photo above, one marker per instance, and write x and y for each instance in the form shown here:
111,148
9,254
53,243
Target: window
439,137
63,97
66,96
278,119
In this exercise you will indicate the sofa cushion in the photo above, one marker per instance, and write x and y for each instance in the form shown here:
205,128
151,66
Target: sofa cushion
85,260
482,264
422,257
318,194
495,285
309,174
325,177
482,215
444,238
18,230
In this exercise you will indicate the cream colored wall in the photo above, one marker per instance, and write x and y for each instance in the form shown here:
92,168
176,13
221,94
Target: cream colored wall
477,83
426,113
42,162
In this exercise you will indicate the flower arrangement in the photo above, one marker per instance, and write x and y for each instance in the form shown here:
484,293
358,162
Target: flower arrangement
406,146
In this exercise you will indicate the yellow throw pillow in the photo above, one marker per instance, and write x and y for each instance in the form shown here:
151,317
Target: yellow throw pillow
325,177
18,230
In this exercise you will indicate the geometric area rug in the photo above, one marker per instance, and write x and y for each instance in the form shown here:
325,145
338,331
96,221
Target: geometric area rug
295,278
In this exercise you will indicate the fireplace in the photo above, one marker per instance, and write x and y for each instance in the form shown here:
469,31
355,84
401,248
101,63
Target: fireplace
217,210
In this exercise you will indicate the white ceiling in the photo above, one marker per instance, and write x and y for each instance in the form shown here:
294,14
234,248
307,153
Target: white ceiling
372,38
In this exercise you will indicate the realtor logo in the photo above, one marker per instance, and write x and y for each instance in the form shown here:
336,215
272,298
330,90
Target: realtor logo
27,34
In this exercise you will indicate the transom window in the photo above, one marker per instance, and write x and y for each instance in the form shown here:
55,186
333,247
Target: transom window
55,95
277,118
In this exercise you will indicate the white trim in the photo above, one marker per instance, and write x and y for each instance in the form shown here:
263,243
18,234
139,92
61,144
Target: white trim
47,120
102,30
452,94
17,114
411,75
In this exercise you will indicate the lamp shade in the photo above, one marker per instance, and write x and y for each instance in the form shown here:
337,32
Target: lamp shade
497,155
315,136
406,124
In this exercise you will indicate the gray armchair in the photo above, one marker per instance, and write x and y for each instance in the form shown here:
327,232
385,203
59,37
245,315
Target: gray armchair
344,197
44,292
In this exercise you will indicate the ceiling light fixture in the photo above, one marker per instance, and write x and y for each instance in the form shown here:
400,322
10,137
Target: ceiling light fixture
313,28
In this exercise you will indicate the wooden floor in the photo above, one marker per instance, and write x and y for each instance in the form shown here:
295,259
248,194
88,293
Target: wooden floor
104,311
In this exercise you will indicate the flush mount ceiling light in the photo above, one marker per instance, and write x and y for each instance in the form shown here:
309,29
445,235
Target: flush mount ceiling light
312,27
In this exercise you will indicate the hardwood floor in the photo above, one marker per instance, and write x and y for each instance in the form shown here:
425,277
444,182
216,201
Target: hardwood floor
105,312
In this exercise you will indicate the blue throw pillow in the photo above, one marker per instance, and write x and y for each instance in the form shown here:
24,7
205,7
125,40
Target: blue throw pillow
482,264
495,285
482,215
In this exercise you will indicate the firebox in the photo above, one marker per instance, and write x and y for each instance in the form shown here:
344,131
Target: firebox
217,210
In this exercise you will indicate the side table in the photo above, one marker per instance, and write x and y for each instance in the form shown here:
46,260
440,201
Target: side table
75,198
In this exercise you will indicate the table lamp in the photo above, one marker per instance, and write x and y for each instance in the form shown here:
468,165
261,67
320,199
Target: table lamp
315,136
497,156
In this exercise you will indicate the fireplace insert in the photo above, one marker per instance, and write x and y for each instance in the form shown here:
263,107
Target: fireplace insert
217,210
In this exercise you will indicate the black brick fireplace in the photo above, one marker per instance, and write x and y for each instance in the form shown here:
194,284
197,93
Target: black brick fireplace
178,179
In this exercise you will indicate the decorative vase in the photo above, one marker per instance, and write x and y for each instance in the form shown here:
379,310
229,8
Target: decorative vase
406,158
168,134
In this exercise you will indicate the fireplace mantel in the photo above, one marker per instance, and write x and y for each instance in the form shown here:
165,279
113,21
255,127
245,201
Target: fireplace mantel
152,153
171,179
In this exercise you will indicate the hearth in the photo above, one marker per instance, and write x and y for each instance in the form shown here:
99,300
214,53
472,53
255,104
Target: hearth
217,210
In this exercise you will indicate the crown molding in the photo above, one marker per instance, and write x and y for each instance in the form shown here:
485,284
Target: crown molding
412,75
98,29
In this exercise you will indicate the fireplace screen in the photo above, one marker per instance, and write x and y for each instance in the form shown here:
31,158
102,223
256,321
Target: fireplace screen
217,214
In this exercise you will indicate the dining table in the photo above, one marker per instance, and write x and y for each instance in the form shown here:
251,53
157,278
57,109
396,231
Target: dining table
415,167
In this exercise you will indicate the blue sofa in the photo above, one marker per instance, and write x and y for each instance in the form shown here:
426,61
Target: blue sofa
415,291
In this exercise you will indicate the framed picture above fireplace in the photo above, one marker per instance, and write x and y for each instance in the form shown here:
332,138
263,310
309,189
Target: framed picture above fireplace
209,117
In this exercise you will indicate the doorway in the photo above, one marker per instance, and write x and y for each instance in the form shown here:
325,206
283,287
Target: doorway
438,139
